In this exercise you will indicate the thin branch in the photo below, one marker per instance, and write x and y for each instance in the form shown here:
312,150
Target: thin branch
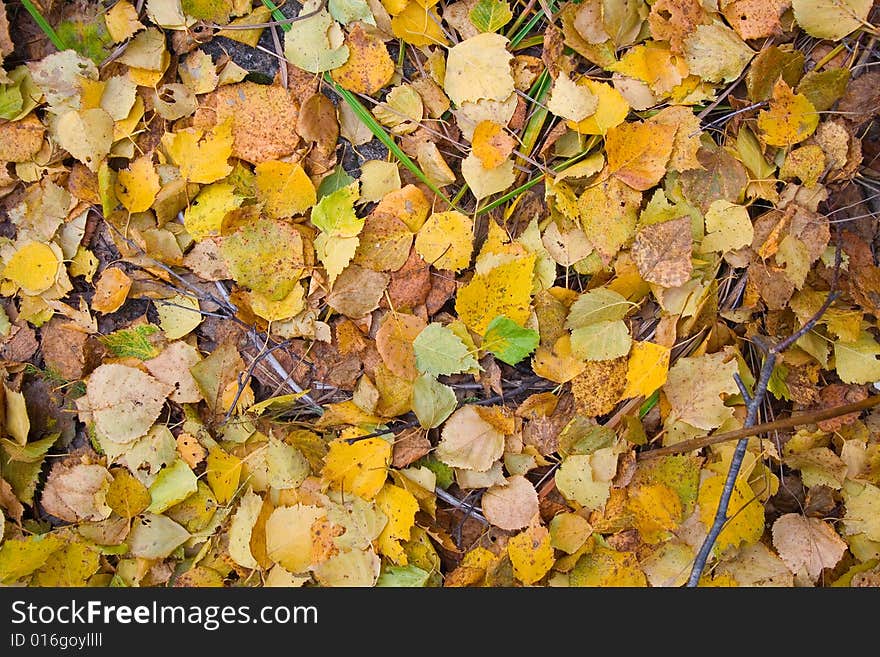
766,427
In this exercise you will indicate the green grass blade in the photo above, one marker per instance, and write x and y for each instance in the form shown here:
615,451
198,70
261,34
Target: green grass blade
44,25
529,26
368,119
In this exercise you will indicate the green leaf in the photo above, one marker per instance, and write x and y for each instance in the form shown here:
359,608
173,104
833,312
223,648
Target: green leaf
315,44
334,213
403,576
601,341
216,11
89,38
132,343
348,11
439,351
856,362
509,341
444,474
490,15
334,182
173,485
432,401
10,100
599,305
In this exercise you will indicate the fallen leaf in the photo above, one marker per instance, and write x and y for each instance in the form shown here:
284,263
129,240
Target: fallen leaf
469,441
511,506
807,544
663,252
638,152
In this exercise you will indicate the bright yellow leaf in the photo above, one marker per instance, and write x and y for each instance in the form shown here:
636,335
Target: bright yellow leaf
790,119
656,510
359,468
284,188
202,158
275,311
611,109
137,186
745,513
122,21
504,290
369,66
606,567
646,370
204,217
418,26
223,471
446,240
638,152
34,267
531,554
111,290
400,506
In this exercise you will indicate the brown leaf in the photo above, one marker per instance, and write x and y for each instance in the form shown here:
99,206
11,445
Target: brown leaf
807,544
9,501
663,252
755,19
722,177
357,291
861,101
597,389
838,394
66,349
317,123
76,491
21,140
394,340
511,506
409,446
20,345
675,20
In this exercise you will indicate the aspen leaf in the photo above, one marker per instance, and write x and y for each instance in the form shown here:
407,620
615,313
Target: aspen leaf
124,401
77,492
663,252
359,468
490,15
656,511
586,478
605,567
21,557
377,179
469,441
400,507
646,370
34,267
716,53
70,566
484,182
601,340
289,536
807,544
512,505
394,342
432,401
438,350
611,109
241,529
316,43
351,569
491,144
174,484
571,101
384,243
504,290
418,25
202,157
284,188
862,515
728,227
369,66
509,341
111,290
830,19
531,554
137,186
445,240
478,68
696,386
745,514
266,256
790,119
122,21
857,362
15,415
86,134
638,152
334,213
127,496
178,315
222,471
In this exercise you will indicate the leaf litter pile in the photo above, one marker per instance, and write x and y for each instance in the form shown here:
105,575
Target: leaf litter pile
460,293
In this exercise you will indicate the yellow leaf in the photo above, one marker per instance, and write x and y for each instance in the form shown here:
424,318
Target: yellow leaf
289,536
34,267
335,252
127,496
284,188
400,506
504,290
369,66
478,68
654,64
484,182
446,240
70,566
656,511
86,134
491,144
745,513
111,290
606,567
407,204
275,311
611,109
571,101
790,119
122,21
137,186
638,152
646,370
222,471
202,158
204,217
359,468
20,557
266,255
178,315
531,554
418,26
